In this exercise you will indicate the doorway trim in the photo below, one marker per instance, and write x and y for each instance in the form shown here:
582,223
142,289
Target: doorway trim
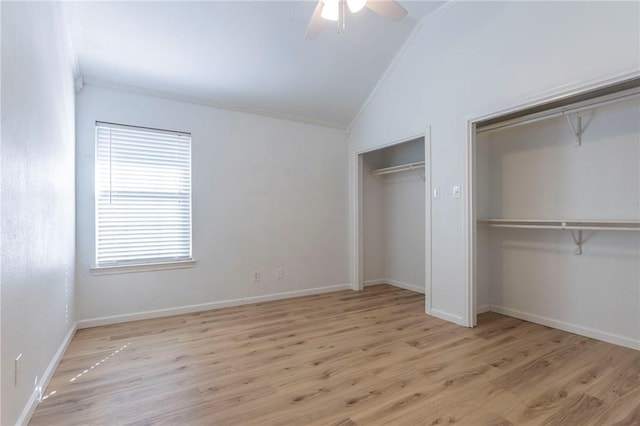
357,246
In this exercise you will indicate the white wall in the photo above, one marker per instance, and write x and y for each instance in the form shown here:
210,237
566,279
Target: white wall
536,171
37,195
373,225
267,194
404,229
466,60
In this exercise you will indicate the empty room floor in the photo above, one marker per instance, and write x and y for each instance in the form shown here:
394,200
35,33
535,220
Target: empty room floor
344,358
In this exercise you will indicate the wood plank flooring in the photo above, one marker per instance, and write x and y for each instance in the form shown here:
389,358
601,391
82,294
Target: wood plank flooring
344,358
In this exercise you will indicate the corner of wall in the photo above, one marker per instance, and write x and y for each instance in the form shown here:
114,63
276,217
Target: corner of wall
38,254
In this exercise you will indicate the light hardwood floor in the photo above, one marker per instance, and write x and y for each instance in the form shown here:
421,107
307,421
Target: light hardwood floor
343,358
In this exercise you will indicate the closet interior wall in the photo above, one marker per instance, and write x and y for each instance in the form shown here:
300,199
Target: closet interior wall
394,217
536,171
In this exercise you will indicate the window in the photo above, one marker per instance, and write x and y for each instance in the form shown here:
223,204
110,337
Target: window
143,196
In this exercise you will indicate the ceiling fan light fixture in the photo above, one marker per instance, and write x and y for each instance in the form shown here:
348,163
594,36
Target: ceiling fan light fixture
356,5
330,10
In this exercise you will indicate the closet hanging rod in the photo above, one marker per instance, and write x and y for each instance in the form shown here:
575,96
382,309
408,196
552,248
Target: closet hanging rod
576,228
578,225
558,112
400,168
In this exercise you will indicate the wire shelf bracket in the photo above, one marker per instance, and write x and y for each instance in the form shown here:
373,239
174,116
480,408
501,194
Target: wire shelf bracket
577,129
577,239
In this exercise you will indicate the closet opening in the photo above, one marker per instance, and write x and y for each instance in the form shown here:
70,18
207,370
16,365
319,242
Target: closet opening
554,213
394,215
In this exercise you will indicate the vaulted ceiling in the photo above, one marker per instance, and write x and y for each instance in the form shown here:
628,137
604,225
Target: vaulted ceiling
250,55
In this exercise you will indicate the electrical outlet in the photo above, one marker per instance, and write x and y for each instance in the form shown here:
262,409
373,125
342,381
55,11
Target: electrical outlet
456,192
279,274
256,277
17,370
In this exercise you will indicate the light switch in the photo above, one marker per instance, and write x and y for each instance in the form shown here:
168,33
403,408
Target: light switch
436,192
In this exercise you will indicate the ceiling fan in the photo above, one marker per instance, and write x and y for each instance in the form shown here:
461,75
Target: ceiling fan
335,10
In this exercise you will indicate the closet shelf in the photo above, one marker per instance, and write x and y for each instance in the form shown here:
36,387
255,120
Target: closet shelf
582,224
400,168
574,226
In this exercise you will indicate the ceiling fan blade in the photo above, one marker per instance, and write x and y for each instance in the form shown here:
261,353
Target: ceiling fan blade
315,23
388,8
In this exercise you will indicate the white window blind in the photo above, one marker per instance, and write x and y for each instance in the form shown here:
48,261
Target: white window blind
143,195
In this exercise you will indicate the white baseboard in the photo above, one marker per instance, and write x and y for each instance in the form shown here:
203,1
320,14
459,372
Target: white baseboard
571,328
158,313
34,400
406,286
483,308
395,283
456,319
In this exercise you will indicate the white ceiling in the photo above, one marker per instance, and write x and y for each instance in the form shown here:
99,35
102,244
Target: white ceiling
245,54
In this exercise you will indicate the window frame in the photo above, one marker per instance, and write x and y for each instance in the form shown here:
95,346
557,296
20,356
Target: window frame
152,263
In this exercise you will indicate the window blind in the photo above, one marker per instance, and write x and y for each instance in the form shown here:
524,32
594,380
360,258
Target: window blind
143,195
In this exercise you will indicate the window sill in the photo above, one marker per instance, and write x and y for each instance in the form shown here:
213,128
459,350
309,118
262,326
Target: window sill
146,267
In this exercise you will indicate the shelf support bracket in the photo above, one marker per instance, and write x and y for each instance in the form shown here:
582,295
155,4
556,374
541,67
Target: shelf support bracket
577,130
578,240
417,169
